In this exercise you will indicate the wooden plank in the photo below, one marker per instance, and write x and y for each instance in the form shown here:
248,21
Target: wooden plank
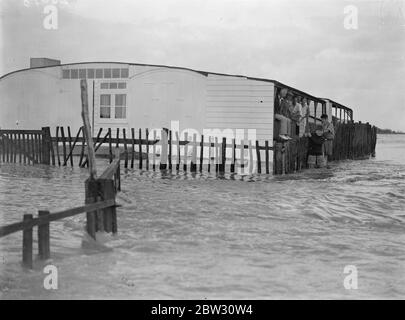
233,146
223,155
125,148
185,159
70,155
70,146
140,149
110,170
259,163
87,129
19,148
216,147
170,149
178,151
93,142
62,132
193,165
24,148
36,149
154,151
209,154
132,147
117,141
27,243
51,148
110,145
57,145
82,148
163,155
147,148
242,156
266,144
250,157
44,251
201,152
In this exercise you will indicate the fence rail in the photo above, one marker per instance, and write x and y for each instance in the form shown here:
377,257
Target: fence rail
100,215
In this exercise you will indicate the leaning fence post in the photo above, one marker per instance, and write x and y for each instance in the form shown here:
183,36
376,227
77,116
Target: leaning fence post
91,188
43,237
27,243
46,145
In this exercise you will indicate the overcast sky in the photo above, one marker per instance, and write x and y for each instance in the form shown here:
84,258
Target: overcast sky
302,43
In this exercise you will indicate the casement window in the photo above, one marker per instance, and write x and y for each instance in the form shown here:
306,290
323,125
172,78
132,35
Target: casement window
66,74
107,73
74,74
99,73
113,85
120,106
105,106
116,73
90,73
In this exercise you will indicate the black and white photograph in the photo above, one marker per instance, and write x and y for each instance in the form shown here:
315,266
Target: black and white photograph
202,150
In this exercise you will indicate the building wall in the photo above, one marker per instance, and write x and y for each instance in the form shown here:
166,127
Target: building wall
35,98
155,96
239,103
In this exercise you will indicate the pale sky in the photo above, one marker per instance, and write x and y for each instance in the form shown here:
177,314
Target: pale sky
302,43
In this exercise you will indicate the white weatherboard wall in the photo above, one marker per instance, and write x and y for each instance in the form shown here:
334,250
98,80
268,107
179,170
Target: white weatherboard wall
38,97
240,103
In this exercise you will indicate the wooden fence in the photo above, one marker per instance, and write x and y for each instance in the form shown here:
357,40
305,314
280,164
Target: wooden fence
354,141
26,146
150,150
100,212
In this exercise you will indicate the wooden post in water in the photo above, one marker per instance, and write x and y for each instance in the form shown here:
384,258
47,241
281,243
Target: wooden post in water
27,243
147,148
46,145
201,152
70,147
44,250
163,154
223,156
178,151
233,156
140,149
87,130
193,165
154,150
259,163
132,147
266,146
125,148
185,151
170,149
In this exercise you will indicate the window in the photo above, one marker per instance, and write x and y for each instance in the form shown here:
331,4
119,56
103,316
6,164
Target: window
107,73
105,106
90,73
122,85
66,74
116,73
120,106
113,85
74,74
104,85
82,73
99,73
124,73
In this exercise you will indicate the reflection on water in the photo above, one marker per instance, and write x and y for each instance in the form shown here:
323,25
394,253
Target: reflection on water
199,236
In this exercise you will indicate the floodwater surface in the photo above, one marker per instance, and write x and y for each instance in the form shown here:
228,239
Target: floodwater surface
198,237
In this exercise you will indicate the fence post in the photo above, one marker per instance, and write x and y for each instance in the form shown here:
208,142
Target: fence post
27,243
91,191
44,251
46,145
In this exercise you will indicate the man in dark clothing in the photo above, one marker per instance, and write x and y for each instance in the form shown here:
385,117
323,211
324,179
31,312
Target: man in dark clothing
315,148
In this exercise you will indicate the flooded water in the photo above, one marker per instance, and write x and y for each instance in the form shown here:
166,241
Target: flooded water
197,237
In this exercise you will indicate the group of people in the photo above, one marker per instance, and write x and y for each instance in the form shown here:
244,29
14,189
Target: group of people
292,111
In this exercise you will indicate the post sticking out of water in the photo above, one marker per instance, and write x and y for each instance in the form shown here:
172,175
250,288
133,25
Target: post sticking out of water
87,130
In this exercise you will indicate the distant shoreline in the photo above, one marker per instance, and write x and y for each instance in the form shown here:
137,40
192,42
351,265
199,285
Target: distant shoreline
388,131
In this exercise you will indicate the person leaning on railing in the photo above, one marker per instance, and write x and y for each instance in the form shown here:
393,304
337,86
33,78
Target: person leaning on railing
316,141
329,134
282,114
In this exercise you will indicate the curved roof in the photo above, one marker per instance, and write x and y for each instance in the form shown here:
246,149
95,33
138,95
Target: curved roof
205,73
